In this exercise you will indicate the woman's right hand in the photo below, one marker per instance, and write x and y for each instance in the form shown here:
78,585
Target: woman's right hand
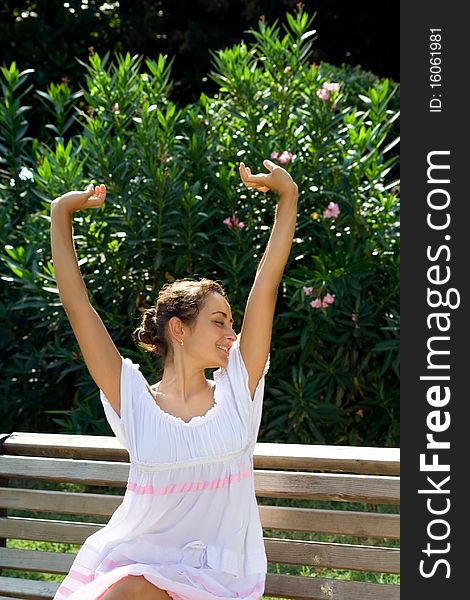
92,197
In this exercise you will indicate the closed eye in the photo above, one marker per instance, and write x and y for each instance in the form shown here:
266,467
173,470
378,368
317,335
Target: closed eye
219,322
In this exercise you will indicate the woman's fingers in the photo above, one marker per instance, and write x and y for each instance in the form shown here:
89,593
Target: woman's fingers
96,195
247,176
244,172
258,181
269,165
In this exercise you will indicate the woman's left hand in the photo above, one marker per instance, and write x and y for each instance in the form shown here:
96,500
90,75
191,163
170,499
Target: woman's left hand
278,179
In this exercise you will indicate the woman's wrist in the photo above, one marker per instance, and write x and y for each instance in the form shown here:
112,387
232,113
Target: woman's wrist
291,192
58,206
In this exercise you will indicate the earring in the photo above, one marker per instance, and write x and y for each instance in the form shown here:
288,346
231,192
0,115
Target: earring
181,342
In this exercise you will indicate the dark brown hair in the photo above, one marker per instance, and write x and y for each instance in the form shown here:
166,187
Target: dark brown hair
182,298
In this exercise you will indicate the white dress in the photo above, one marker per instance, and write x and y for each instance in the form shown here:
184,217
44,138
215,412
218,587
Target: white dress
189,521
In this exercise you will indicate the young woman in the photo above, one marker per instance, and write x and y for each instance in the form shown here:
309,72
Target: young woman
188,527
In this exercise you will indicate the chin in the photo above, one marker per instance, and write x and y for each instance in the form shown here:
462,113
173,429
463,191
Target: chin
222,363
216,365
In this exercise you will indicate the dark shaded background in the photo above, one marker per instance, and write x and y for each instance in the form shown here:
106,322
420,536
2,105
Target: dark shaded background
49,35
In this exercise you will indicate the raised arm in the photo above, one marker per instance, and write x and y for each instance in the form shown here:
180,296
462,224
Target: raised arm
255,336
101,355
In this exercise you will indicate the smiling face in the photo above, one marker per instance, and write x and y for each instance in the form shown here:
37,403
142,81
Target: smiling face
213,335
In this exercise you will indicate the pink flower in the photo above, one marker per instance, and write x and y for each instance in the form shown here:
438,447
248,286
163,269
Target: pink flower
316,303
285,157
332,210
322,303
308,291
354,317
323,94
234,222
326,89
115,108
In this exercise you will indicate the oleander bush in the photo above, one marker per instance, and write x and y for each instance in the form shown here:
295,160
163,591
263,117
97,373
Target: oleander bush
176,208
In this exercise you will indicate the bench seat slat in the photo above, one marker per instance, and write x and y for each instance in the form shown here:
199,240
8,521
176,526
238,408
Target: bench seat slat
361,524
274,484
299,587
365,460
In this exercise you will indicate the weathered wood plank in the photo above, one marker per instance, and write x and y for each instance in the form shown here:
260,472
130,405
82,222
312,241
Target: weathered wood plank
335,556
341,522
314,457
59,502
91,472
361,524
36,560
275,484
281,586
300,587
328,486
59,445
45,530
28,588
319,554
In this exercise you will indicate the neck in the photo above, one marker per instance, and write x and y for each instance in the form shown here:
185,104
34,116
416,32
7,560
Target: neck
181,384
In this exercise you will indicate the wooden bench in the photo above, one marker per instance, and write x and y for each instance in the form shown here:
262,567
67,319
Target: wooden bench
304,476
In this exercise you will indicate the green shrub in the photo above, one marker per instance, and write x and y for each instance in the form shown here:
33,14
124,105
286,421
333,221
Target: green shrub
173,191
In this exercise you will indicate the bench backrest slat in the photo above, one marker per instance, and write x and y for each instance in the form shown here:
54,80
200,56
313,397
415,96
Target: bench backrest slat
344,522
44,561
345,459
60,502
373,489
33,590
284,586
62,469
275,484
45,530
337,556
315,554
318,588
319,554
